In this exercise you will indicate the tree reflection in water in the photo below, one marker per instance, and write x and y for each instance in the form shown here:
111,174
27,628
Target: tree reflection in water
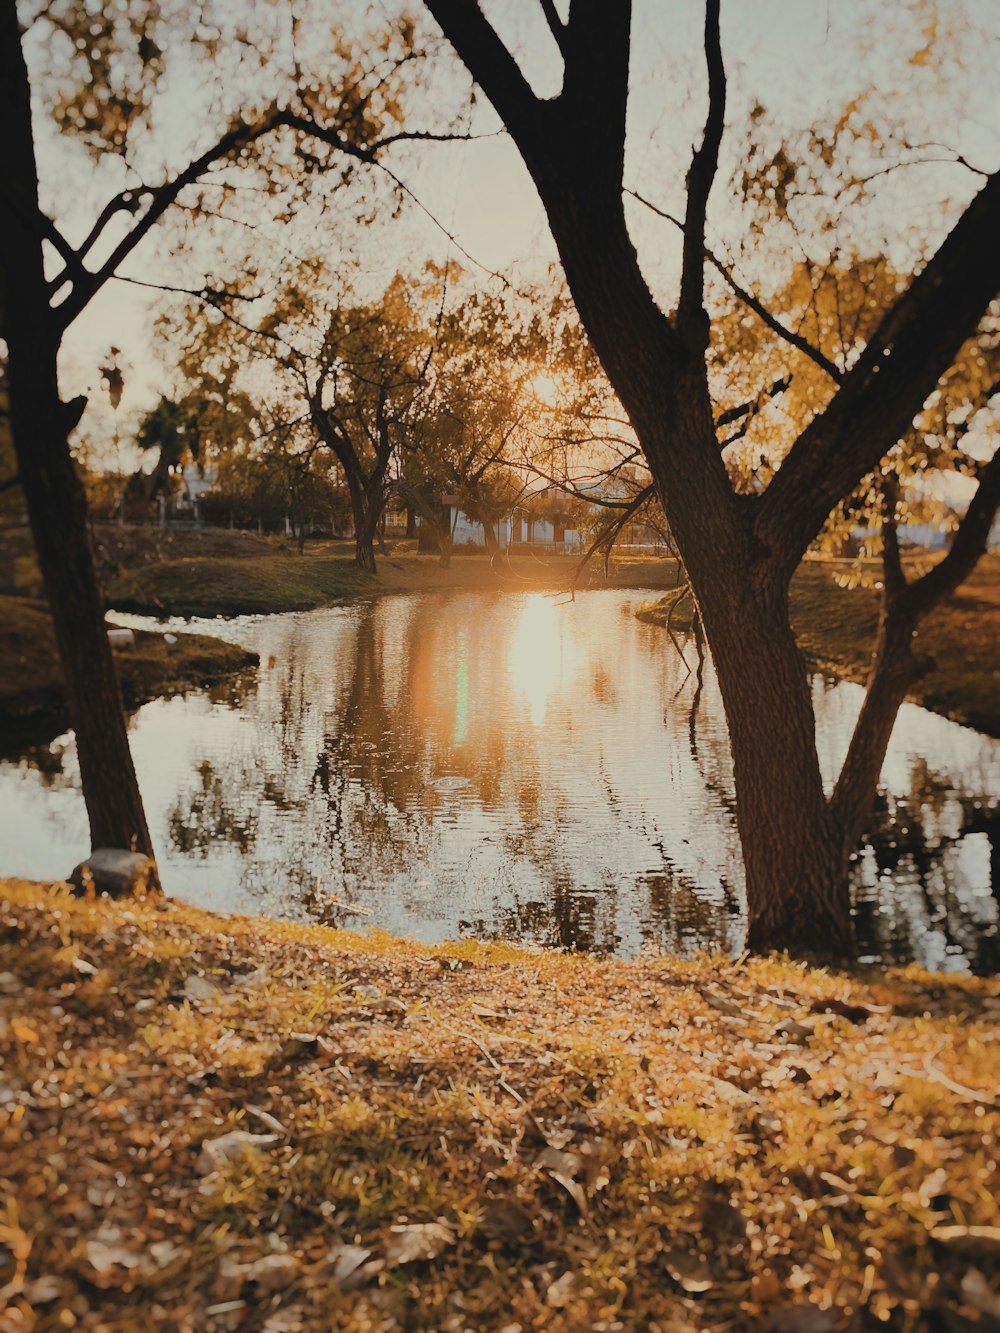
507,766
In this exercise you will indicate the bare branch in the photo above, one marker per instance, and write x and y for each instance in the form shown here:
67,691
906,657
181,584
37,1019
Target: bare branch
747,411
747,297
893,578
556,25
609,535
691,316
489,62
968,545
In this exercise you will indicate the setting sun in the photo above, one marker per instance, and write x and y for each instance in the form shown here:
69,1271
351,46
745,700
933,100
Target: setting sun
545,387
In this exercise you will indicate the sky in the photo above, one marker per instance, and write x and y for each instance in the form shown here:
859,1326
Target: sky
931,67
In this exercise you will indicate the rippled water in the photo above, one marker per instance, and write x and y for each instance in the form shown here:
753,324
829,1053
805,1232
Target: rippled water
507,765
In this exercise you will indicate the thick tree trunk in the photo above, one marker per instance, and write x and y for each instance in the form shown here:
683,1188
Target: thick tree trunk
366,515
796,875
364,552
55,499
740,552
57,512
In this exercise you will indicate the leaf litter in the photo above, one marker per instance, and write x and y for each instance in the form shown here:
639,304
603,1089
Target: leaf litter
224,1123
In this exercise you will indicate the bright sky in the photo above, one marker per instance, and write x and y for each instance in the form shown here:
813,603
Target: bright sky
801,60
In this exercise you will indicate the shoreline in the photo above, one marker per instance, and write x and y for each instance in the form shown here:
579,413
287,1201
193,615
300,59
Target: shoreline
836,625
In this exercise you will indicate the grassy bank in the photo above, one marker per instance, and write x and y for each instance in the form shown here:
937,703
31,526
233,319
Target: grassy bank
227,586
282,581
31,685
220,1123
836,628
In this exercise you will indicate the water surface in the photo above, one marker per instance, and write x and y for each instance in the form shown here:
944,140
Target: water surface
508,765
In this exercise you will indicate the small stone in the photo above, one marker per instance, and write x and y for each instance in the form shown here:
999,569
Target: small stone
117,872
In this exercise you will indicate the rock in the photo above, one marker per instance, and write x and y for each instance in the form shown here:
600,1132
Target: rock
199,990
117,872
970,1242
121,638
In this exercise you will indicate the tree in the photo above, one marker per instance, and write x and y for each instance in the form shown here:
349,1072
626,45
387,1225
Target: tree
362,391
106,67
469,434
740,551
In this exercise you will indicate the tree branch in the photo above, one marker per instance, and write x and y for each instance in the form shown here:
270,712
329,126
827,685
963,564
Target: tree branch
893,578
556,25
489,62
747,297
691,318
886,387
968,545
753,407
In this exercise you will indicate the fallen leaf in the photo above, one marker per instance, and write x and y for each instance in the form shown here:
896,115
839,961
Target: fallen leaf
165,1252
563,1290
267,1119
721,1005
554,1159
43,1289
976,1291
854,1013
274,1272
255,980
344,1261
417,1240
216,1153
106,1251
794,1030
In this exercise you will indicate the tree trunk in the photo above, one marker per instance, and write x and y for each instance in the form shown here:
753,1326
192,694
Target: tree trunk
57,508
479,512
895,668
796,875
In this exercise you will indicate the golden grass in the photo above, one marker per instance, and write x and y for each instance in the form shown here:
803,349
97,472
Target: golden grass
477,1137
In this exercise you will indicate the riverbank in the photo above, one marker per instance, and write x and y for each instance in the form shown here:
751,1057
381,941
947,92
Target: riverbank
836,627
210,573
32,694
153,571
285,582
218,1123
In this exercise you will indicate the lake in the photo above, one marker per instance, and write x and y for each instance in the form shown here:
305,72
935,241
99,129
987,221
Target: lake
509,765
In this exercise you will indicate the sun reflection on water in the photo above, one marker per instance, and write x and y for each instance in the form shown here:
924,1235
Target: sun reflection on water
543,661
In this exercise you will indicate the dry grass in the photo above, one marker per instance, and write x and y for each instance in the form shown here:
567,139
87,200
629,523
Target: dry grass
476,1138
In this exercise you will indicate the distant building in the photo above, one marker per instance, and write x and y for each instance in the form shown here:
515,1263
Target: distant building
517,529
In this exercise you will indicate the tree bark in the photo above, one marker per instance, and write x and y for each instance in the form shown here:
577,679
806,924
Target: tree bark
57,510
